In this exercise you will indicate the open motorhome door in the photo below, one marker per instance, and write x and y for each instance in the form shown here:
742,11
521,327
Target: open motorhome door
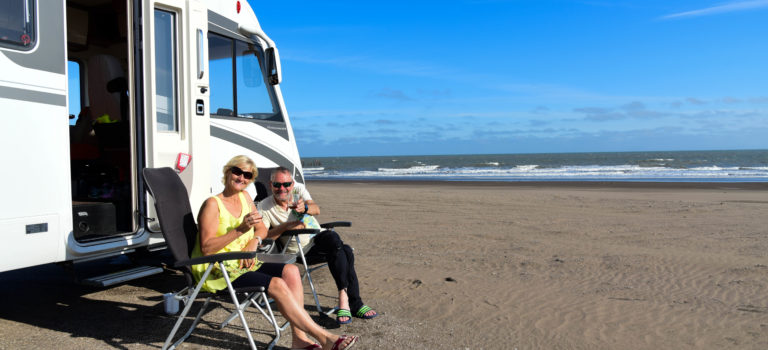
177,129
35,214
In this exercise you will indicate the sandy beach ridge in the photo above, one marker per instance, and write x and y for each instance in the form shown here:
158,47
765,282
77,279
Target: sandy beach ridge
481,265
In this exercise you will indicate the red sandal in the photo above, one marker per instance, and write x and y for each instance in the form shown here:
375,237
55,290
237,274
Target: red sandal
342,338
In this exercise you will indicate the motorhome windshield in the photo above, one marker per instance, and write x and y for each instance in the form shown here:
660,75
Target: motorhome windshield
17,24
238,86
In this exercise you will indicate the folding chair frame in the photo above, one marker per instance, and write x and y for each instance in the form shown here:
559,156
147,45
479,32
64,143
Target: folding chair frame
179,230
294,234
190,298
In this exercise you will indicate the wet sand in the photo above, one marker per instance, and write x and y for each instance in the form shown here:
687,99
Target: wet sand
479,265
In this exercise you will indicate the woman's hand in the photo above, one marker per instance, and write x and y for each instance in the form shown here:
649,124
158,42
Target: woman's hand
249,221
247,263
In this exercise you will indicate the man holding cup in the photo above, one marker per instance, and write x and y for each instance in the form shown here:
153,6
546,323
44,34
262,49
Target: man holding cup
291,208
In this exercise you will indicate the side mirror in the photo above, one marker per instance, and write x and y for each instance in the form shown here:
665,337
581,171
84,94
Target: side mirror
273,66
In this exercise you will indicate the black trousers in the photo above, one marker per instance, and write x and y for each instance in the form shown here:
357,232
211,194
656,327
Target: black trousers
341,261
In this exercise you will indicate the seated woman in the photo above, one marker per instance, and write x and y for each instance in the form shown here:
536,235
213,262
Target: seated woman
230,222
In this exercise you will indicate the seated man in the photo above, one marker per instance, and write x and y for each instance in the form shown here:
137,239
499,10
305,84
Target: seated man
279,217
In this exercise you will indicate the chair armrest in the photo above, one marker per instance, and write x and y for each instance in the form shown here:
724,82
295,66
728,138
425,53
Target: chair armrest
216,258
301,231
277,258
266,245
328,225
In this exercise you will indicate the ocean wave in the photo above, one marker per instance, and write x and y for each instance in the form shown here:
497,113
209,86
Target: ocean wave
313,170
527,167
412,170
533,172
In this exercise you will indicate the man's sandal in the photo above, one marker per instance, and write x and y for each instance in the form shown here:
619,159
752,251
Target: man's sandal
343,313
361,313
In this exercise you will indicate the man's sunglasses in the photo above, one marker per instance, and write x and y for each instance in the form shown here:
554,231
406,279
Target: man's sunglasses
237,172
284,184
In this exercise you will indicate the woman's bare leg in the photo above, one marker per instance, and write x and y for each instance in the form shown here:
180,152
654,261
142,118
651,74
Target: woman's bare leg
282,291
292,279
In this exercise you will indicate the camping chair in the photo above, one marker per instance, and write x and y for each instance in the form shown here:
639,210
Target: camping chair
316,262
261,183
180,232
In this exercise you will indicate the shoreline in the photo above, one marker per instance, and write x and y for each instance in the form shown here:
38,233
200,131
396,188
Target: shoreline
755,186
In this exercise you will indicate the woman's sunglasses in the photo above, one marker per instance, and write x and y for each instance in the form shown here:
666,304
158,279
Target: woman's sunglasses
237,172
284,184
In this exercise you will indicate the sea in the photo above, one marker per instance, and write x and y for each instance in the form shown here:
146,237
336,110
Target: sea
670,166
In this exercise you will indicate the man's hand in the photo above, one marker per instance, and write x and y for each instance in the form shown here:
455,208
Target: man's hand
294,225
300,206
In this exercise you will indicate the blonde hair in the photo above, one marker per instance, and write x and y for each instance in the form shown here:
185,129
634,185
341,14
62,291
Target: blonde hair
236,161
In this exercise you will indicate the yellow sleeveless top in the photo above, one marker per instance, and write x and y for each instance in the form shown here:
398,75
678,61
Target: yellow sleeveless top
227,222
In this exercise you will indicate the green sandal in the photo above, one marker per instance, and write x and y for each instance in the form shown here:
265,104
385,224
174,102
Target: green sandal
363,310
343,313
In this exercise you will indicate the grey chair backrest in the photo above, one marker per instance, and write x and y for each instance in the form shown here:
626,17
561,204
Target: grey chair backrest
173,211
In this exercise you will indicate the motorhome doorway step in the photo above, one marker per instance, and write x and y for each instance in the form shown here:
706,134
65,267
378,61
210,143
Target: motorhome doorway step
122,276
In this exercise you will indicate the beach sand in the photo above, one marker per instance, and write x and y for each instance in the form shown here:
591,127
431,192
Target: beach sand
484,266
561,266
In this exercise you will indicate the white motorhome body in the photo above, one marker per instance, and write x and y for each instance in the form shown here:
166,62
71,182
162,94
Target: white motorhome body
152,83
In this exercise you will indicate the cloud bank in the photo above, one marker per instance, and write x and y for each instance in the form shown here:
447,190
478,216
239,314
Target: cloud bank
716,10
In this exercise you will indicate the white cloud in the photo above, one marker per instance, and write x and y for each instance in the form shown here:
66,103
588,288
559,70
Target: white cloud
724,8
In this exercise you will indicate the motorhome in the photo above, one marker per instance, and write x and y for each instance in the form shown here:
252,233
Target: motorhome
93,91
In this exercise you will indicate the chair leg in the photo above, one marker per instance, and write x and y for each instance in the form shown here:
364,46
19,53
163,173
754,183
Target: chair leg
240,307
188,305
314,293
269,316
265,301
191,327
309,276
270,300
236,302
243,306
308,272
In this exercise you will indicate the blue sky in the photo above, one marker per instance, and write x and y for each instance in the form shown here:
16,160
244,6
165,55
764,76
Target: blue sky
528,76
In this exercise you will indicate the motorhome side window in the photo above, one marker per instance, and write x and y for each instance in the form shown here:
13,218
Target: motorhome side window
17,24
166,92
74,69
253,98
221,78
238,85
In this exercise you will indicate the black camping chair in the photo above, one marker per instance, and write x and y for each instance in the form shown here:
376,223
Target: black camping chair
310,264
180,232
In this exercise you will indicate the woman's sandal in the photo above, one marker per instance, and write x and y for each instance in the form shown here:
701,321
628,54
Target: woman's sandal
342,338
310,347
343,313
363,310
